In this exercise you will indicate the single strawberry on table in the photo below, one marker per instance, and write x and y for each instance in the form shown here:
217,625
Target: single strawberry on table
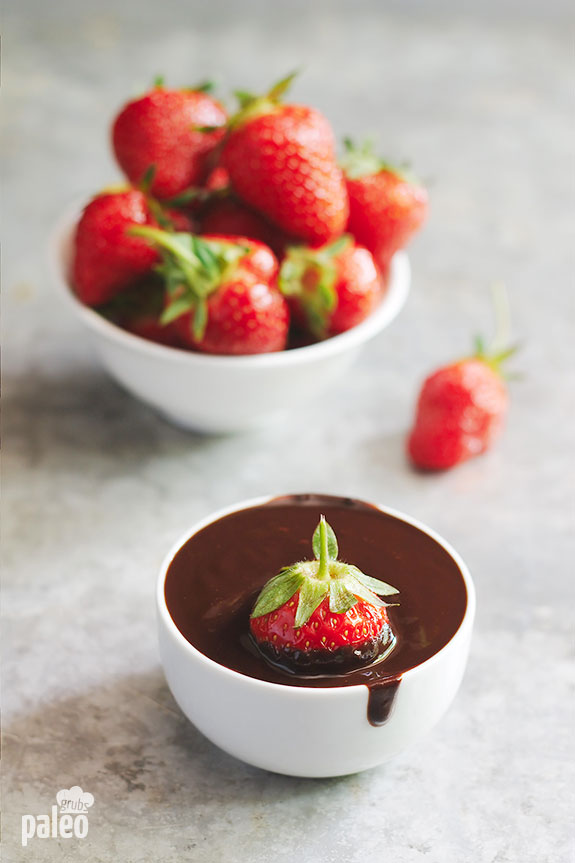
221,292
320,615
281,160
460,410
331,288
106,259
386,206
173,131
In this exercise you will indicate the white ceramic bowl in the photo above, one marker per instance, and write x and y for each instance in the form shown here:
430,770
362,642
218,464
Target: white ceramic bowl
298,730
217,393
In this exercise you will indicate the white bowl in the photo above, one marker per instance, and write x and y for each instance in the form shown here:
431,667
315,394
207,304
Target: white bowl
299,730
217,393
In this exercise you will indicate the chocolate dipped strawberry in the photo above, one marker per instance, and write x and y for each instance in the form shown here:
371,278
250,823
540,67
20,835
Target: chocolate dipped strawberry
322,615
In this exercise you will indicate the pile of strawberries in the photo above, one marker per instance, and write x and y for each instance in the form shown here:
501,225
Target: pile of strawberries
240,234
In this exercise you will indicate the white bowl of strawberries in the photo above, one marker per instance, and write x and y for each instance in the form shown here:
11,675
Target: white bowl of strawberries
243,269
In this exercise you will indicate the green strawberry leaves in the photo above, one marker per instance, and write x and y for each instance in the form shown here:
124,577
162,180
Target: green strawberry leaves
326,576
280,88
204,87
253,105
330,537
148,177
311,594
192,269
341,599
496,354
374,584
278,591
362,161
311,276
175,310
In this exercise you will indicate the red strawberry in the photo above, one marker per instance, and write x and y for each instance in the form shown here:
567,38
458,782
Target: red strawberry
332,288
149,327
323,614
257,257
138,309
222,293
281,160
177,220
171,131
228,216
217,180
385,207
107,260
460,411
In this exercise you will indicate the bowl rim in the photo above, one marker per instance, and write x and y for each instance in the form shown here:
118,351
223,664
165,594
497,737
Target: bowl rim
388,309
302,691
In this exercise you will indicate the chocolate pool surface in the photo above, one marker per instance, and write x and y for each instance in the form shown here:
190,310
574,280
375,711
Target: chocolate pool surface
215,577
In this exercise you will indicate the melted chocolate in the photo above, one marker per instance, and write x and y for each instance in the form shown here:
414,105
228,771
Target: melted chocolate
215,577
310,663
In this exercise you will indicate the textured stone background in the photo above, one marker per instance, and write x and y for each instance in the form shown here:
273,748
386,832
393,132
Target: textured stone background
96,487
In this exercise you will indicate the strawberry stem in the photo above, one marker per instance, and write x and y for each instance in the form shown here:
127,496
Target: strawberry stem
323,568
500,349
501,339
252,105
362,161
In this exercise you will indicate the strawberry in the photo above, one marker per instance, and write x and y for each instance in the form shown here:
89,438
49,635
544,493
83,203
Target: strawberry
331,288
386,207
221,292
217,180
149,327
172,130
105,259
460,411
229,216
323,614
281,161
175,219
138,309
257,258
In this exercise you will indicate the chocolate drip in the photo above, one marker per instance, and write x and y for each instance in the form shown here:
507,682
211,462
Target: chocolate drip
381,698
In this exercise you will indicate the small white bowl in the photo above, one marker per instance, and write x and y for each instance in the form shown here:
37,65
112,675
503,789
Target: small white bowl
217,393
298,731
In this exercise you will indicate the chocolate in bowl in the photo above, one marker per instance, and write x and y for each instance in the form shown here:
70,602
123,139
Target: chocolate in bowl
213,579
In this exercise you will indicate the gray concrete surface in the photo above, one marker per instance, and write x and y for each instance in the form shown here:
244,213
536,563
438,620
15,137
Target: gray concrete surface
96,487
